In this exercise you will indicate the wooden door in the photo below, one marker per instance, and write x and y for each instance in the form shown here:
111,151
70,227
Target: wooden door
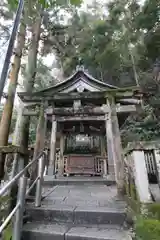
81,164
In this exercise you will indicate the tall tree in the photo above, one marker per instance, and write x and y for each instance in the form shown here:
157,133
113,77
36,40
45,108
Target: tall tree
13,78
21,135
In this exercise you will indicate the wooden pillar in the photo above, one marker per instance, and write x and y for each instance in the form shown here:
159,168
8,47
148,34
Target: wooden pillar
61,163
110,148
51,168
103,154
114,148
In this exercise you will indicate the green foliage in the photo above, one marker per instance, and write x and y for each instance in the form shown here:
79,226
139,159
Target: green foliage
154,210
3,205
7,233
48,3
147,229
147,225
105,44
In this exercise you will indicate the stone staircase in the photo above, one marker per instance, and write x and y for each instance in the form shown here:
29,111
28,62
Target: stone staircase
78,211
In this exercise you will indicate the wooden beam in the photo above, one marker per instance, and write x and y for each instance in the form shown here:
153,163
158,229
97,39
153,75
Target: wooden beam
51,96
80,118
125,108
82,110
13,149
90,110
27,112
72,111
130,100
61,96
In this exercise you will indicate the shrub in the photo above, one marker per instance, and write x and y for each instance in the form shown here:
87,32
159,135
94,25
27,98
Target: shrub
7,233
147,229
154,210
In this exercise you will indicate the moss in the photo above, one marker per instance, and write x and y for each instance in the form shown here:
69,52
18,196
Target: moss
133,191
127,189
132,197
154,210
7,233
134,205
147,229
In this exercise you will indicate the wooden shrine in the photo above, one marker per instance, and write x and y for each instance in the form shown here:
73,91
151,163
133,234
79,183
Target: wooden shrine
83,117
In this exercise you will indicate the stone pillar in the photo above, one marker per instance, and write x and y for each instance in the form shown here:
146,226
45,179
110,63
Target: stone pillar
114,148
51,168
141,176
61,163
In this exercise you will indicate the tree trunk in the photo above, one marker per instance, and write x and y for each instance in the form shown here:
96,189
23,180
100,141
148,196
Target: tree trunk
39,145
8,107
21,134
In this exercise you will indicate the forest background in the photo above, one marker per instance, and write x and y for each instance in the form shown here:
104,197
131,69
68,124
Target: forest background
116,41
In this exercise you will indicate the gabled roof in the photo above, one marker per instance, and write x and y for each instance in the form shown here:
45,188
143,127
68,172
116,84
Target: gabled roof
80,75
79,78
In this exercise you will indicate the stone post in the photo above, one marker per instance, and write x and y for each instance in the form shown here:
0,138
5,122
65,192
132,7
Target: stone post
114,148
51,168
141,176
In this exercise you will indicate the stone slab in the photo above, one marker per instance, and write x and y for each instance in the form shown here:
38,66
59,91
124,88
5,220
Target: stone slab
79,215
98,215
42,231
96,233
50,180
81,204
53,215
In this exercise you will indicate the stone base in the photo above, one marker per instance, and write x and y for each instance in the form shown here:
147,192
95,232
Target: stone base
109,177
60,174
50,179
50,171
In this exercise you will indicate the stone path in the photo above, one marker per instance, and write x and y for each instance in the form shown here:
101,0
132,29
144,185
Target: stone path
87,196
78,212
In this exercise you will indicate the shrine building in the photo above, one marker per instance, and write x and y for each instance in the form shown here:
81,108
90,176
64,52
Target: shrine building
82,121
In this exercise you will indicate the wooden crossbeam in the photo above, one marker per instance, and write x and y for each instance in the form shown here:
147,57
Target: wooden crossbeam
80,118
82,110
37,98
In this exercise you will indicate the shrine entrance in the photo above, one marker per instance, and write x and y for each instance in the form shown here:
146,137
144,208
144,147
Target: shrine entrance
83,149
83,117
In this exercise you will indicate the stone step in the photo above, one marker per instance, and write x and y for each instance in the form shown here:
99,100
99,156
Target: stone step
41,231
50,181
78,215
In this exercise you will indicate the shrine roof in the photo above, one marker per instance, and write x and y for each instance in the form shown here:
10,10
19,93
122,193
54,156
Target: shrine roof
79,84
79,79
